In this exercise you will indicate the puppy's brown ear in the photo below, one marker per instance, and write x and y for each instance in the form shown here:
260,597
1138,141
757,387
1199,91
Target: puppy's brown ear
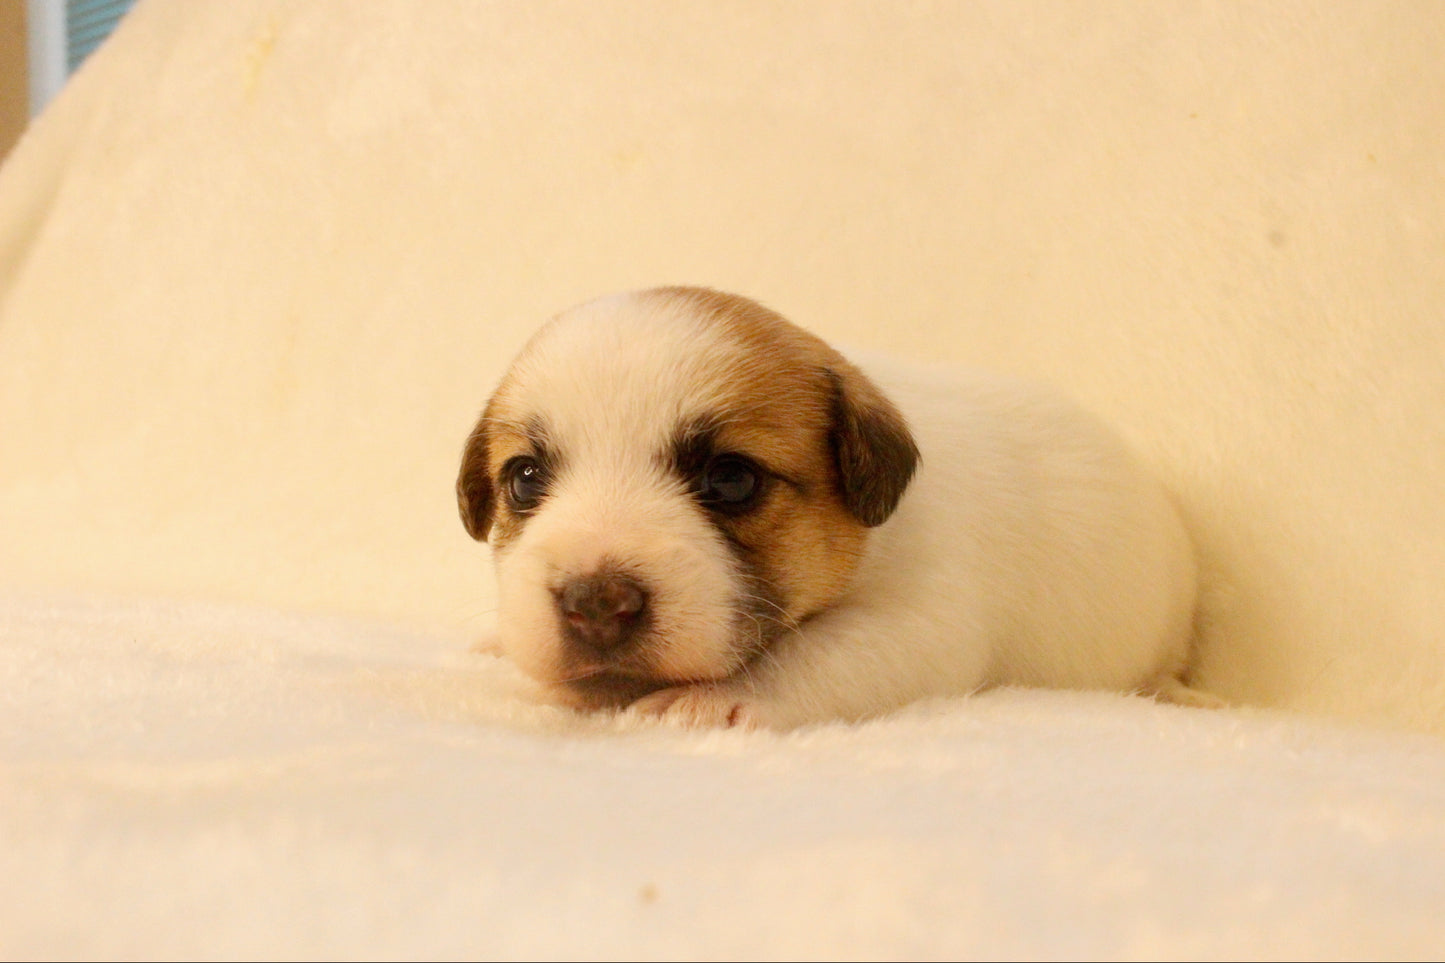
872,446
474,485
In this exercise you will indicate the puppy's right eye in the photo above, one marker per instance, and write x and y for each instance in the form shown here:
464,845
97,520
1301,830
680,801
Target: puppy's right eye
730,484
526,482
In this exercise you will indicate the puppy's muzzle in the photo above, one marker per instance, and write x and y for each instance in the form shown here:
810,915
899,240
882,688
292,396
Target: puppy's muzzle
601,613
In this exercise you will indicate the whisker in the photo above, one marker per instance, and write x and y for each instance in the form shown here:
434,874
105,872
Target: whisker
589,673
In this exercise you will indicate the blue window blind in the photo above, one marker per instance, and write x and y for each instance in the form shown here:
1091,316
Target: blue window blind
87,23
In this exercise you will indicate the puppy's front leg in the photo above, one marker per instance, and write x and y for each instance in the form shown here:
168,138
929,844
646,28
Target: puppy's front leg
702,705
843,664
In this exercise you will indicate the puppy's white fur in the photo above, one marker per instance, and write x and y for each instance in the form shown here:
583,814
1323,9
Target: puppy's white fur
1028,547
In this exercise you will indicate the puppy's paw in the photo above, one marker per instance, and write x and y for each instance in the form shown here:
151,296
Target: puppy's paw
1177,693
702,705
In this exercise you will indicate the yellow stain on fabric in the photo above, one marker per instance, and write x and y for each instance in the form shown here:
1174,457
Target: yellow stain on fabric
258,52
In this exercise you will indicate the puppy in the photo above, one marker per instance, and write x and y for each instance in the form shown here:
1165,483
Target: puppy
701,511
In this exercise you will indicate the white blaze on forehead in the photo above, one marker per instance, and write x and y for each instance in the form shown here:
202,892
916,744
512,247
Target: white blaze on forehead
618,376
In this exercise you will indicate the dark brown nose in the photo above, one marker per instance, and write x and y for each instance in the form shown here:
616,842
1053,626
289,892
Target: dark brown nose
602,611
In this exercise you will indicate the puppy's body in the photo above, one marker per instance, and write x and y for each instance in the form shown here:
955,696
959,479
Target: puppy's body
703,511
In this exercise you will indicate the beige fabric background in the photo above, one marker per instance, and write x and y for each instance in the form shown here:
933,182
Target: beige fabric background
252,292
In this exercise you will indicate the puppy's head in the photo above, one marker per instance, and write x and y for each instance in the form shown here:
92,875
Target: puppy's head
670,479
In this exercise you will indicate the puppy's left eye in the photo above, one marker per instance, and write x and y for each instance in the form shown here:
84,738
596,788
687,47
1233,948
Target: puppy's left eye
729,483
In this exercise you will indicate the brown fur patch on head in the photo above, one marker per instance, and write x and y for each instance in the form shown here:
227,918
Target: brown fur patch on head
873,448
474,482
841,451
501,434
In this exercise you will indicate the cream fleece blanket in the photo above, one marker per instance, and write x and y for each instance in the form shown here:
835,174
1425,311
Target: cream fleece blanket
261,262
195,781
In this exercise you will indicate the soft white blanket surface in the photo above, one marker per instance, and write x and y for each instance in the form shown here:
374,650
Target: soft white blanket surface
194,781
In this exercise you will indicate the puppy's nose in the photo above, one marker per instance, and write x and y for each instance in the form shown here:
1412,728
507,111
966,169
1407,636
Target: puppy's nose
602,611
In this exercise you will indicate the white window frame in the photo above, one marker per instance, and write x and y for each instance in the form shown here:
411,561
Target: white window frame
45,45
49,43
